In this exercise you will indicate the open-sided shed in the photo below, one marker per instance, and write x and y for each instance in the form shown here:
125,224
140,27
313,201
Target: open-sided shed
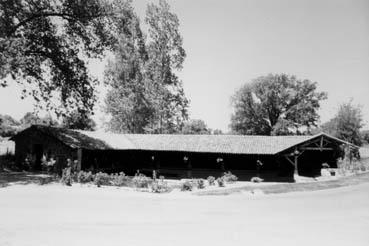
271,157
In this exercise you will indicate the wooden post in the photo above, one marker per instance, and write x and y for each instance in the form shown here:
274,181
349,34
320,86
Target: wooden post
296,171
187,161
79,158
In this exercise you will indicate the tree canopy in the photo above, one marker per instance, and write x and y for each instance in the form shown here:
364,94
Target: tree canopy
76,120
195,127
43,46
145,93
276,104
346,124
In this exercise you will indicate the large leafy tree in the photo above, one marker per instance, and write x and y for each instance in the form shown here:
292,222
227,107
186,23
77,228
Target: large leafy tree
276,105
44,46
346,124
146,94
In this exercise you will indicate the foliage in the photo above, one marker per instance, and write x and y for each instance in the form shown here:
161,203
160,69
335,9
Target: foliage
141,181
8,126
84,177
120,179
217,132
200,183
31,118
195,127
78,120
346,124
101,178
256,180
160,186
228,177
221,182
44,45
276,105
67,176
211,180
365,136
187,186
146,95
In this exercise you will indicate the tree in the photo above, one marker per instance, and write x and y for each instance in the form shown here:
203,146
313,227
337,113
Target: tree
276,105
346,124
44,44
33,119
8,126
195,127
76,120
217,132
145,94
365,136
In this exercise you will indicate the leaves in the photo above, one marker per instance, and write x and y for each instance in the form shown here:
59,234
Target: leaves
45,43
346,124
276,105
146,95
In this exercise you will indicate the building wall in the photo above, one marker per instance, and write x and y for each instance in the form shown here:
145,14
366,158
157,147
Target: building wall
29,143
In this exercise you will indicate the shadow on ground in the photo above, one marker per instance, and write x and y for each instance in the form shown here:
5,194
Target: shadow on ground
24,178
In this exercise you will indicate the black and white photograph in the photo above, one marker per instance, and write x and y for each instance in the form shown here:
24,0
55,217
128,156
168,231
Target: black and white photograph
184,122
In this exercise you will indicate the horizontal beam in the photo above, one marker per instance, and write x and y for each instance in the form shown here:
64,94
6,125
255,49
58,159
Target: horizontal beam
314,148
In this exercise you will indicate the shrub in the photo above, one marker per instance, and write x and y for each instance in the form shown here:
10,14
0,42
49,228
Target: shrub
256,180
220,182
228,177
101,179
160,186
67,177
120,179
141,181
84,177
200,184
187,186
211,180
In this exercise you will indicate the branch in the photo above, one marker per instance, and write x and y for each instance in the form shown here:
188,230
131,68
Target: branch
65,16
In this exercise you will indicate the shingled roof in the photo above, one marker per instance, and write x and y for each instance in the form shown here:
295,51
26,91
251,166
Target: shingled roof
230,144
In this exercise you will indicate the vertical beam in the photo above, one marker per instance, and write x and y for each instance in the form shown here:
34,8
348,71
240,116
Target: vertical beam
296,171
296,156
79,158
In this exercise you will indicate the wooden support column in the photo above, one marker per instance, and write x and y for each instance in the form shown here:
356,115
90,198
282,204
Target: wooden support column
187,162
79,158
296,171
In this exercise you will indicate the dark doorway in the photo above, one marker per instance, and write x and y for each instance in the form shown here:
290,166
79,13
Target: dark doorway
38,151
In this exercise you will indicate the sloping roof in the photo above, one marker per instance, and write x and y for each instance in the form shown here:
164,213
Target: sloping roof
231,144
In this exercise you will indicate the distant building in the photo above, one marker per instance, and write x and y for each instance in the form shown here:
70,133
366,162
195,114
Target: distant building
180,156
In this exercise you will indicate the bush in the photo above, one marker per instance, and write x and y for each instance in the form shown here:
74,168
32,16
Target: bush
160,186
187,186
256,180
228,177
101,179
200,184
220,182
67,178
211,180
84,177
141,181
120,179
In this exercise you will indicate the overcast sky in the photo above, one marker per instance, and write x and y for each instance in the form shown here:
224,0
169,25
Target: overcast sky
228,43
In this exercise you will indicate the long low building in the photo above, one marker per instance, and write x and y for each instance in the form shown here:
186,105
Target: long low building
274,158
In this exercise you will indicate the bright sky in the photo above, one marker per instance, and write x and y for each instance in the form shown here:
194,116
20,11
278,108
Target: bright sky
228,43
